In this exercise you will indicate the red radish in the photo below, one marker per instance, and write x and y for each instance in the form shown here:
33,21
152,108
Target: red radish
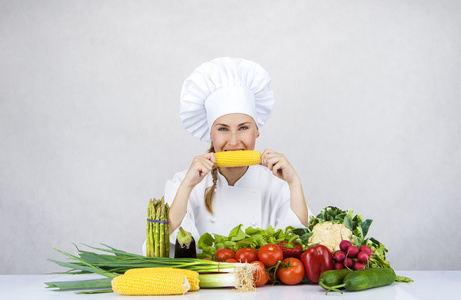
363,257
338,266
339,255
344,245
366,249
352,251
358,266
348,262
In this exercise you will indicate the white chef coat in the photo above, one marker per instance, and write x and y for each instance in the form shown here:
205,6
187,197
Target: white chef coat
258,199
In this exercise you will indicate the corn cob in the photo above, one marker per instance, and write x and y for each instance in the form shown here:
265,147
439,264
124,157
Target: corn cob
192,276
237,158
160,282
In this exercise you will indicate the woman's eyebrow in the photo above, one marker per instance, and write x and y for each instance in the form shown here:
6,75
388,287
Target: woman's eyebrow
226,125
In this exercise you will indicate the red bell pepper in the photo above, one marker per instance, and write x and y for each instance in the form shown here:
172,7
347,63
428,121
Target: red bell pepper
316,260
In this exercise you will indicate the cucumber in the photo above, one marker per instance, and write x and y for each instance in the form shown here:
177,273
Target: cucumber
365,279
333,277
369,278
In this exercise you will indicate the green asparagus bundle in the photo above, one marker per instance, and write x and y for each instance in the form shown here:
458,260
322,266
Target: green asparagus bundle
158,230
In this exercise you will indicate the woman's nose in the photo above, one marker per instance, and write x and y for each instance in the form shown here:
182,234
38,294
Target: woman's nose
234,139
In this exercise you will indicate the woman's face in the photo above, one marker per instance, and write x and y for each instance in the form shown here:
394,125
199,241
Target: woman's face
234,132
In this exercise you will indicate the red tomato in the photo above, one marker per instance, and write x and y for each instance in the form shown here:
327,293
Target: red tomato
246,255
224,254
270,254
231,260
260,275
293,273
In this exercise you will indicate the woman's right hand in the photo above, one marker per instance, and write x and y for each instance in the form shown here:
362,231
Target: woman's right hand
200,167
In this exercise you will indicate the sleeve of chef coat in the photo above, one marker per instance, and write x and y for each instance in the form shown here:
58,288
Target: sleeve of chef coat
188,222
285,216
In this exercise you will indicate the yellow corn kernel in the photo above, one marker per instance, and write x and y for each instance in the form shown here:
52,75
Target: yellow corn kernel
155,283
237,158
192,276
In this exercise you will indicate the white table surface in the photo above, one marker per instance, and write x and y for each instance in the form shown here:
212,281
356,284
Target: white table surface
426,285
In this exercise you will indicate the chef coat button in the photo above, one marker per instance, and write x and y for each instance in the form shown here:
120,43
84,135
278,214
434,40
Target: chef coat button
253,223
213,220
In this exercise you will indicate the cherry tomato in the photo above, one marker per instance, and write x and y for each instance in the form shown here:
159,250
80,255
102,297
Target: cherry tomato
246,255
224,254
270,254
260,275
293,273
231,260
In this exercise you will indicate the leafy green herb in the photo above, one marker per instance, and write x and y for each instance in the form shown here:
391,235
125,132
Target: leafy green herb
378,259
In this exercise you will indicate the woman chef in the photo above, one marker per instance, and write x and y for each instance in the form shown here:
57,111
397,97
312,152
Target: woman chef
225,101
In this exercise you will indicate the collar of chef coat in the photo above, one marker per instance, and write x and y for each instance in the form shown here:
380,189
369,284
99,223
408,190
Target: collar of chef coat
242,182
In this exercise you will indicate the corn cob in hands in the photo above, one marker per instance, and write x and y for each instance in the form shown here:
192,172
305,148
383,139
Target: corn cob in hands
239,158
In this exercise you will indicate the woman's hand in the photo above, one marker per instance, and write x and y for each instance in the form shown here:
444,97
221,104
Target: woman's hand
200,167
279,165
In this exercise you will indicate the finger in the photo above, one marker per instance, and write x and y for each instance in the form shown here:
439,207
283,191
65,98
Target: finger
208,164
211,157
266,157
207,160
273,159
277,170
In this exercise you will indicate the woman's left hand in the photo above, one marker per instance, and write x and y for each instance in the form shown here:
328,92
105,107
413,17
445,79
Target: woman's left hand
279,165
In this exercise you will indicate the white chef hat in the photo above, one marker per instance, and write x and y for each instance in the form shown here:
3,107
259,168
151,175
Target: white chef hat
224,86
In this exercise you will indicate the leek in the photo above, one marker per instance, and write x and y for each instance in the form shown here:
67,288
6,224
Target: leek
242,278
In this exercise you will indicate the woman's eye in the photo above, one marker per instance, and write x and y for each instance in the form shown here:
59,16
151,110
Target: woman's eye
244,127
222,129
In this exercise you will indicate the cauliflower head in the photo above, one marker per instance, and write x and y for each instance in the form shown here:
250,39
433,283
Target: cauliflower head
330,235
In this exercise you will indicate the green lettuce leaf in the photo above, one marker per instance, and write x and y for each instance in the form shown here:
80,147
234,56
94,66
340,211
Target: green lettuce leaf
251,237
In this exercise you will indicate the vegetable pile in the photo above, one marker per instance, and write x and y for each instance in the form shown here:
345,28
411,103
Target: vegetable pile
344,222
335,240
333,252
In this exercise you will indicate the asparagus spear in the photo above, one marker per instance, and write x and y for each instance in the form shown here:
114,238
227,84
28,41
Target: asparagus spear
167,230
153,217
149,238
162,230
157,232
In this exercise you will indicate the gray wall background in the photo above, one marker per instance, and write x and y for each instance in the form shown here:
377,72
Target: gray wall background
367,110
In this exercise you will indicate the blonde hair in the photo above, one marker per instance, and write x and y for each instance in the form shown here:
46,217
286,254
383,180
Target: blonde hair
209,191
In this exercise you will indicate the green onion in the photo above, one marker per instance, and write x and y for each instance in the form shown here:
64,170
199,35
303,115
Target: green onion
238,275
241,278
80,284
